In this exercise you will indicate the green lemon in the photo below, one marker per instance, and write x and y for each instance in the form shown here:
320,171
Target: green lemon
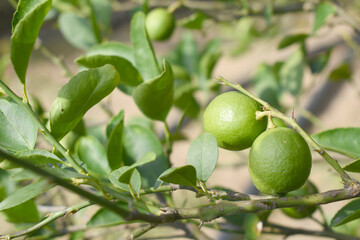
230,117
301,212
279,161
160,24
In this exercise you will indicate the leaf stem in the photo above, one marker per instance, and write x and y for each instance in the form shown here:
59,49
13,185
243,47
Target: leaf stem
27,108
270,111
168,141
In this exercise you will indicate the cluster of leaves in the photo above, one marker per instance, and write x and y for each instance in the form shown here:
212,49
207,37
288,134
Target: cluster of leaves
131,158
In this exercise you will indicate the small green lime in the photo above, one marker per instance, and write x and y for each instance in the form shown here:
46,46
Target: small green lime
230,117
160,24
279,161
301,212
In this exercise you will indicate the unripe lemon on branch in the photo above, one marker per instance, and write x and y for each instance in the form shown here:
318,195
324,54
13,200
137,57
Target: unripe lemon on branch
279,161
231,118
160,24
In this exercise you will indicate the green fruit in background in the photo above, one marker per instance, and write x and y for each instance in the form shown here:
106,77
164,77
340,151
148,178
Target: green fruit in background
280,161
301,212
230,117
160,24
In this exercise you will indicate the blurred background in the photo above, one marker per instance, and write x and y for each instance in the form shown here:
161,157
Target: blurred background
329,96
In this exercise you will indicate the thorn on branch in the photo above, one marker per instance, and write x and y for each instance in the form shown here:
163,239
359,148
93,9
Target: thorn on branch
201,224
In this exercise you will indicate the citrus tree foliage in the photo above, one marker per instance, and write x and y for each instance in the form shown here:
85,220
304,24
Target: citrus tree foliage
124,169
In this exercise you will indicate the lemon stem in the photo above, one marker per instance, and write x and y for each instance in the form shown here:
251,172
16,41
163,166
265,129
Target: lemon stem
273,112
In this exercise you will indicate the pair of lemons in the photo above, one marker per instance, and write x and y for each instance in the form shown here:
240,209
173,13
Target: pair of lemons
280,159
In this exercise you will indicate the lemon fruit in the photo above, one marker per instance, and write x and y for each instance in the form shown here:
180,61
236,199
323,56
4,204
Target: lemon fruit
230,117
160,24
279,161
305,211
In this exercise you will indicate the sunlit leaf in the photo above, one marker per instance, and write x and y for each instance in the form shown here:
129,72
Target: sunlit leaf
203,155
77,30
25,193
76,97
155,97
185,175
342,140
144,55
18,130
322,12
26,24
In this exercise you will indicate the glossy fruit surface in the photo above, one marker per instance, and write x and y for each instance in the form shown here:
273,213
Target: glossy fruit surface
160,24
279,161
301,212
230,117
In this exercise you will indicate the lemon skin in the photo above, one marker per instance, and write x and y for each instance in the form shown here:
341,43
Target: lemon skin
279,161
231,118
160,24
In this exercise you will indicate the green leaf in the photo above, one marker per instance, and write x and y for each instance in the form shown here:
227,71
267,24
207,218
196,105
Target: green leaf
142,121
155,97
114,132
291,39
353,166
138,140
244,33
252,232
127,171
268,13
38,157
292,71
208,62
349,212
18,130
266,85
343,72
77,30
106,218
188,53
203,155
127,72
112,49
22,213
93,154
76,97
194,21
25,193
144,55
185,100
322,12
23,174
343,140
135,180
102,14
26,24
318,63
185,176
